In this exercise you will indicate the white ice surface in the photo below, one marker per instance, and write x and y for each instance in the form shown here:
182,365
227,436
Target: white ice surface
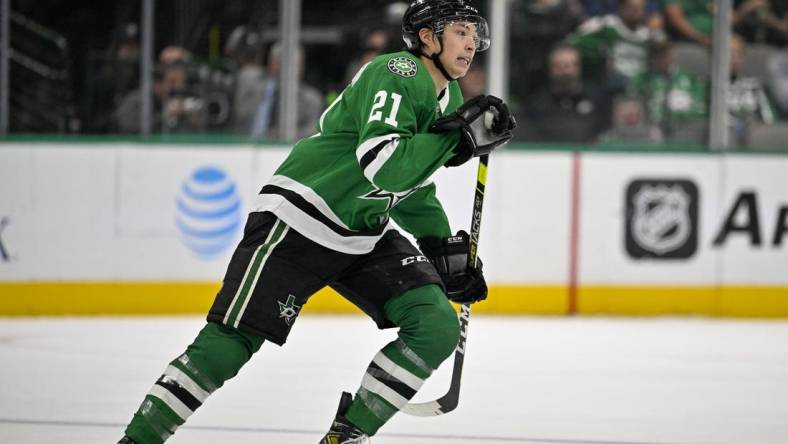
527,380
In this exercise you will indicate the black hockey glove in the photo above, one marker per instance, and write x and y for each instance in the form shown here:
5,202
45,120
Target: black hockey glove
449,255
484,122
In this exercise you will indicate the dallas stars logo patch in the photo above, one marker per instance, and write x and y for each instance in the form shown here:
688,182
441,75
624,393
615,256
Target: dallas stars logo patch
288,310
403,66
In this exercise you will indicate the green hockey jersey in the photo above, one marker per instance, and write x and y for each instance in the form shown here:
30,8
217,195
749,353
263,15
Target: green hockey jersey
370,162
674,97
606,40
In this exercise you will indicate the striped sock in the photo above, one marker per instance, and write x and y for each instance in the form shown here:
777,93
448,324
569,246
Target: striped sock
216,355
180,390
393,377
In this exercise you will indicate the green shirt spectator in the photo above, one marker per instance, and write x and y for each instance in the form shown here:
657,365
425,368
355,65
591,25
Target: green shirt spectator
677,96
670,94
691,20
607,42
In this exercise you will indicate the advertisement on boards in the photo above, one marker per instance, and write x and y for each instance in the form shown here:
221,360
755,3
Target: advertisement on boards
17,213
751,232
648,219
662,218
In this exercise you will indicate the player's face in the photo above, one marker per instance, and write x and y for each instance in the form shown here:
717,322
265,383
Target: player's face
459,47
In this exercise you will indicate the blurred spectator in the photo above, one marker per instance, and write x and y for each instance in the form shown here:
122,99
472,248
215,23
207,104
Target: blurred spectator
172,54
384,38
173,108
747,99
310,101
568,110
117,76
614,48
672,96
244,48
690,20
777,79
594,8
551,17
762,21
375,43
630,124
537,26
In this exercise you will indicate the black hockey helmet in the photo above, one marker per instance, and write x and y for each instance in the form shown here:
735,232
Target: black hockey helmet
436,14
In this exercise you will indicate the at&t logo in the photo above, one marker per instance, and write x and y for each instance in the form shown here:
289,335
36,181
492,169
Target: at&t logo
208,211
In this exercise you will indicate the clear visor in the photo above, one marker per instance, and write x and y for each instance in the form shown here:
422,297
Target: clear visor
463,27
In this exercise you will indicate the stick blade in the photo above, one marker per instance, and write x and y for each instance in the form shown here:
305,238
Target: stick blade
432,408
440,406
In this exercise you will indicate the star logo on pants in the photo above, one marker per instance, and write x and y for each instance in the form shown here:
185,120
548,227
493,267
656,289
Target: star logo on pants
288,310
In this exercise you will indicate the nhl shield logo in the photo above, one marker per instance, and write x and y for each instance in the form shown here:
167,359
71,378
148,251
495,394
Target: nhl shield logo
661,219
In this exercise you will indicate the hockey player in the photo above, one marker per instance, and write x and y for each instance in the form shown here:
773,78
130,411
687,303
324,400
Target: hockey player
325,219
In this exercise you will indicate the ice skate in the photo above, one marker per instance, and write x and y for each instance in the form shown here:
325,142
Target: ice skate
342,431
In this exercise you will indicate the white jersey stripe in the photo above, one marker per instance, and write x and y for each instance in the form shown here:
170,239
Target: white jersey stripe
309,195
382,390
372,169
370,144
187,382
444,101
172,401
398,372
314,229
388,150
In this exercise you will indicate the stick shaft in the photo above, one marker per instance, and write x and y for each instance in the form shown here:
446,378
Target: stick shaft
449,401
478,204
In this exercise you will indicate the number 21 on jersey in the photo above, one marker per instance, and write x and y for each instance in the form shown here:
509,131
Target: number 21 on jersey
380,102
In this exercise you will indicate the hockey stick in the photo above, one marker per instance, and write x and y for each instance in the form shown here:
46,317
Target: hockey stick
449,401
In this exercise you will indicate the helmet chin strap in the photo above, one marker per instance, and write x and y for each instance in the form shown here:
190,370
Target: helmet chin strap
436,60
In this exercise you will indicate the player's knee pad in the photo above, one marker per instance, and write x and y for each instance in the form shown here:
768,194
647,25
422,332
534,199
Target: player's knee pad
442,328
219,352
428,323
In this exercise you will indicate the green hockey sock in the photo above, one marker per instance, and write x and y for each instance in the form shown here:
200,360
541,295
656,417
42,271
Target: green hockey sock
216,355
429,331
